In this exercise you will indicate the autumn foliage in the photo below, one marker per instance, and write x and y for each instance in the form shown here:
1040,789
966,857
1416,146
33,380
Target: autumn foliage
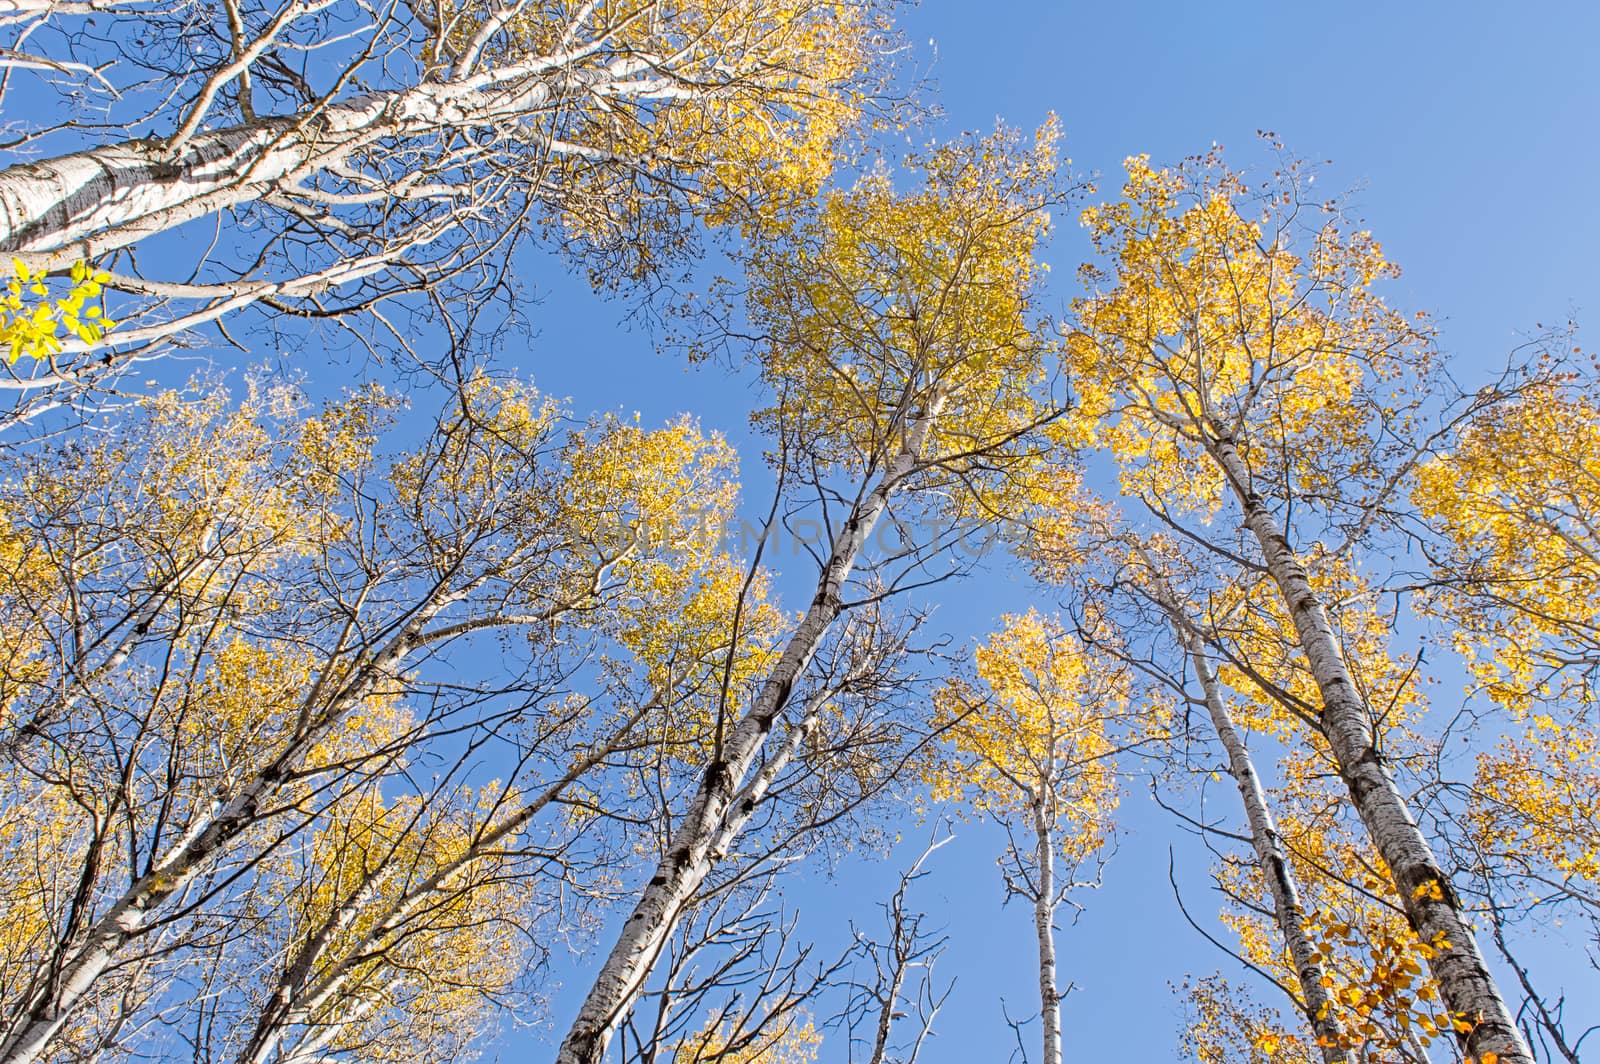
351,705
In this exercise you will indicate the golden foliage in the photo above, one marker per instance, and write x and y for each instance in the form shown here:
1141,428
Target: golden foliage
1218,319
792,1043
1224,1027
1536,801
1374,967
888,305
743,103
1518,500
1030,737
35,331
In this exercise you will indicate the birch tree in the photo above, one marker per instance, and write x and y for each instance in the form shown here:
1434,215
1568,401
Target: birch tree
1309,911
897,337
1150,571
1033,740
1150,584
1243,369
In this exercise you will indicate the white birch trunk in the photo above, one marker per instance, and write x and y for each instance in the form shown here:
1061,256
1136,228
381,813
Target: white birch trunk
702,833
1286,909
1431,904
82,205
886,1014
1044,926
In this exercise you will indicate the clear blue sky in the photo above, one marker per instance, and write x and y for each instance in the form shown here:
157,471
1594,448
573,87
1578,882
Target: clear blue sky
1469,132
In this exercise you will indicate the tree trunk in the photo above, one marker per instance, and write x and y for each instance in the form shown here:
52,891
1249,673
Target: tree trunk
1044,912
1286,910
1268,844
702,833
1431,904
83,205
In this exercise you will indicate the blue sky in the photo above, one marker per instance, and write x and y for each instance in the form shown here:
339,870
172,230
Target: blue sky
1469,136
1467,133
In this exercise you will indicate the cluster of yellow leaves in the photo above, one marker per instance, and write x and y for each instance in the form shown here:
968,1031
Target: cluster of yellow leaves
743,102
36,331
482,452
1210,325
1519,500
41,845
668,490
793,1043
31,591
1225,1028
1060,525
339,444
398,994
1536,800
887,305
1374,967
679,630
244,703
1032,735
628,516
657,504
206,469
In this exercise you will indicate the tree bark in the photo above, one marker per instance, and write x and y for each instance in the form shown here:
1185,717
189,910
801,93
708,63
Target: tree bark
702,834
1044,926
1431,904
1286,909
83,205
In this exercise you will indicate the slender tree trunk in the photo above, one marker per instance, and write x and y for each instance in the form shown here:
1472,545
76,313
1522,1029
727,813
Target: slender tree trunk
1270,856
1431,904
1286,909
701,835
1044,914
886,1013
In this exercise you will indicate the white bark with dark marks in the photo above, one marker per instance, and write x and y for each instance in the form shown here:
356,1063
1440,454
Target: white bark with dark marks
1044,912
703,833
1431,904
1287,912
83,205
